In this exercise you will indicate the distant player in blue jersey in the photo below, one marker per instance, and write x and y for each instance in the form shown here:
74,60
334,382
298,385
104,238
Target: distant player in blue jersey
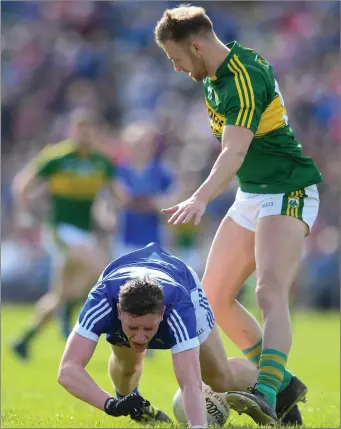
149,183
149,299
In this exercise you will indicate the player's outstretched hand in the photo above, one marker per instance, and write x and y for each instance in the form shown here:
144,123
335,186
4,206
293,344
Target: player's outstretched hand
126,405
185,211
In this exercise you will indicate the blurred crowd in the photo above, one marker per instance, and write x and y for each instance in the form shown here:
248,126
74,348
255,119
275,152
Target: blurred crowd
61,55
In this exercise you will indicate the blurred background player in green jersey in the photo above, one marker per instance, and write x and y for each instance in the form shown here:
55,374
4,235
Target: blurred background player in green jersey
275,208
75,171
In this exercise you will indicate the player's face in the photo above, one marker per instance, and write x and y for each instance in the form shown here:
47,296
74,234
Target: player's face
187,58
83,133
140,330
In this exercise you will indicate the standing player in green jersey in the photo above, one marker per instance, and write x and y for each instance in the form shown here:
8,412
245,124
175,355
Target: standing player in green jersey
74,172
275,206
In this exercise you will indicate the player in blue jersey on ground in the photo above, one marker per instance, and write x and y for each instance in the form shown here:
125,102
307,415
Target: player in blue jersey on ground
149,299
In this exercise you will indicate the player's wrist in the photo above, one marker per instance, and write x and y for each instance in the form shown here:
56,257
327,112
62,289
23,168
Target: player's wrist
202,195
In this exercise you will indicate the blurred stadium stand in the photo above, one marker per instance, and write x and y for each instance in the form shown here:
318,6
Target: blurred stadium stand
60,55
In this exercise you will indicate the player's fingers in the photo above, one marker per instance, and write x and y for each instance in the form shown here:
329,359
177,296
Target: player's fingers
175,216
188,218
170,210
183,215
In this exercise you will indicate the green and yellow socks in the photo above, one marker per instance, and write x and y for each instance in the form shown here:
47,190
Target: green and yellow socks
271,371
273,377
253,353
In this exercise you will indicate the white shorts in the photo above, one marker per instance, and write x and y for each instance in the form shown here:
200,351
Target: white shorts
203,310
65,235
248,208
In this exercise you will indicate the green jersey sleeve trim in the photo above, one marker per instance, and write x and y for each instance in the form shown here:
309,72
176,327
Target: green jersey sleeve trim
45,162
245,92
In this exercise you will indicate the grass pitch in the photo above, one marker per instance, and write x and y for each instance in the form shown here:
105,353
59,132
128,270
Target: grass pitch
31,396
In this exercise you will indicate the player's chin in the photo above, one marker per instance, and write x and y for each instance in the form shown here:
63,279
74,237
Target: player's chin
197,77
139,348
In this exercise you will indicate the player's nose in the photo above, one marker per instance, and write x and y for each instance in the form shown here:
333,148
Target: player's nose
140,337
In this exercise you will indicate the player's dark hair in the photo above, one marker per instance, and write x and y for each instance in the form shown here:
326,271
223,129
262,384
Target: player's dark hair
179,23
141,296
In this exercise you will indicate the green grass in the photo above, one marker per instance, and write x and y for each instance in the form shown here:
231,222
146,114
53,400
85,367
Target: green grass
31,396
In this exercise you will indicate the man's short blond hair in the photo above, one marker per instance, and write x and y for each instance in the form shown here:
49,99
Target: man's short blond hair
179,23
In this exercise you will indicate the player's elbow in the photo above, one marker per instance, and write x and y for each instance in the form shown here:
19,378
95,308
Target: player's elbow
65,373
20,188
17,187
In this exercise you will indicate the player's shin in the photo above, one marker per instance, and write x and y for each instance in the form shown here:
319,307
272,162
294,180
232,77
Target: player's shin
125,378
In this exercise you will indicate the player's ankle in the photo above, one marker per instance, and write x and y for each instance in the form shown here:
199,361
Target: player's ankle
286,380
119,396
269,394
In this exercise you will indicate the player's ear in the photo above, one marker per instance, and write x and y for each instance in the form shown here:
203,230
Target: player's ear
119,311
163,311
196,48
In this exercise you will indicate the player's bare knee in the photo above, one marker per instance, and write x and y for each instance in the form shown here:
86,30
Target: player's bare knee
220,379
270,294
219,296
126,368
129,370
48,301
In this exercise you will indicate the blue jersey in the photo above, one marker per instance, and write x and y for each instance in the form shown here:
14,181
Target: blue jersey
137,228
187,319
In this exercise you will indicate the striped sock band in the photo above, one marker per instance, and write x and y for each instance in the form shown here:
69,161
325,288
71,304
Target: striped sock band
271,369
253,353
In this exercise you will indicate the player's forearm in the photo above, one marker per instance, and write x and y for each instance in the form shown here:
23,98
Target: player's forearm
224,169
194,404
22,185
22,217
78,382
20,196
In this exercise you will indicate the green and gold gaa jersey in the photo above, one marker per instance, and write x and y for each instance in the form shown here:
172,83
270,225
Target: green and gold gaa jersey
245,93
74,179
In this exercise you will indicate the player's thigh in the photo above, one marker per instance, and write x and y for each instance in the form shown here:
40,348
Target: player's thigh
81,247
126,358
88,256
213,358
77,274
278,249
230,262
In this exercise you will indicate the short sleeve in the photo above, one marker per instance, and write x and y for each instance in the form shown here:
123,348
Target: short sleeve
96,316
183,327
43,164
246,97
